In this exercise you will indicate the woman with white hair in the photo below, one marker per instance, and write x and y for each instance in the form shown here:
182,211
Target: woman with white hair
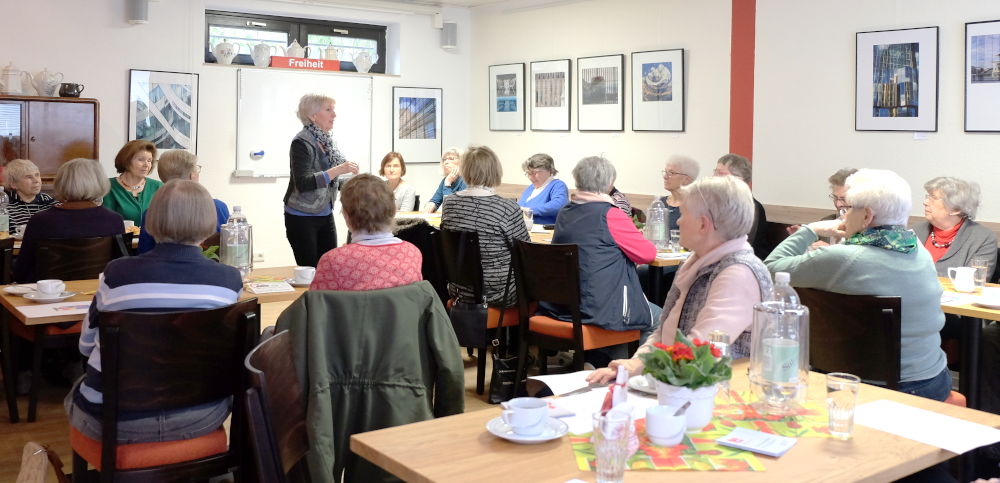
679,172
26,197
312,188
950,235
880,257
719,284
451,165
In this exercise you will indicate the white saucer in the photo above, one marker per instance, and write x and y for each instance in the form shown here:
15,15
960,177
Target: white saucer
47,299
292,282
990,303
641,384
554,428
20,289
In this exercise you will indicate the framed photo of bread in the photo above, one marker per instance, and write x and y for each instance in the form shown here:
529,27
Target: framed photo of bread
601,98
507,108
550,95
658,90
416,123
982,76
896,80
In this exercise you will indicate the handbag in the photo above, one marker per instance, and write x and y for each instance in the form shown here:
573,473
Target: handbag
469,321
503,379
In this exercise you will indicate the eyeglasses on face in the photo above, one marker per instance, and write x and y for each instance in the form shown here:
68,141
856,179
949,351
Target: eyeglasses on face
670,172
838,199
930,196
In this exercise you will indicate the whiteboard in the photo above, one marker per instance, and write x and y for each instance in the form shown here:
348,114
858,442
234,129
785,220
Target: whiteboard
266,122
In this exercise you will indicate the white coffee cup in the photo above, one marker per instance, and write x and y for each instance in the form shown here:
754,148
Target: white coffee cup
129,224
525,415
662,427
50,287
963,278
303,274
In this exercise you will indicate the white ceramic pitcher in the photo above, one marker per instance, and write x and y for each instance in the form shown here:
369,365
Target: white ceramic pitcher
963,278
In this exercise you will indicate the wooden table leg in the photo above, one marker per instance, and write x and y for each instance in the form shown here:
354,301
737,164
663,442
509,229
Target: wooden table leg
9,375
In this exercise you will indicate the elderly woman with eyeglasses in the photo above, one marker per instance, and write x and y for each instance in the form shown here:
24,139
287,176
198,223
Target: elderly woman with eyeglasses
950,235
451,165
679,172
717,287
880,257
546,195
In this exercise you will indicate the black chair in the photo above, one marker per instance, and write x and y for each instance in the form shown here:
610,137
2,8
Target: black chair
422,235
859,334
153,361
551,273
462,262
275,411
64,259
7,257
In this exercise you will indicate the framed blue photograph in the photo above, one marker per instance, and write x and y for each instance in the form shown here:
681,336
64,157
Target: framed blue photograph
507,110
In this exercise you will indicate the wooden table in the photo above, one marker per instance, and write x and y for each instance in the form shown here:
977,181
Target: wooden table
458,448
972,330
85,293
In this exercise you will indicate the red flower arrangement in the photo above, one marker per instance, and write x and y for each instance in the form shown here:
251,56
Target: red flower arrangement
687,363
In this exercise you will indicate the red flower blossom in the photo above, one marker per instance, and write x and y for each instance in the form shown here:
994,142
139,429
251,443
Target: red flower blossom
681,351
699,342
660,345
716,352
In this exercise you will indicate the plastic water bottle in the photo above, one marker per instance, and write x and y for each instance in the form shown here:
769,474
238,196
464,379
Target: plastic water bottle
779,352
656,226
4,216
236,238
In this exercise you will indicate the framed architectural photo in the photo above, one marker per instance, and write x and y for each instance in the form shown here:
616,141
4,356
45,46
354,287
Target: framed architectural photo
658,90
896,80
163,109
982,76
550,95
601,98
416,123
507,97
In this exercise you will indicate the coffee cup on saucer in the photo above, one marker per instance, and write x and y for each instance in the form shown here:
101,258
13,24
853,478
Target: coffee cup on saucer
525,415
303,275
50,287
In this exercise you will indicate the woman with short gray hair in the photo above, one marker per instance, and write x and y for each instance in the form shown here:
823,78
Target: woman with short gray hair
26,197
949,234
546,194
679,172
879,257
609,247
312,187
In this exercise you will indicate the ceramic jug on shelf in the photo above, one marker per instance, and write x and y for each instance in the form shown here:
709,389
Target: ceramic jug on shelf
11,78
331,53
364,60
295,50
45,83
225,52
261,53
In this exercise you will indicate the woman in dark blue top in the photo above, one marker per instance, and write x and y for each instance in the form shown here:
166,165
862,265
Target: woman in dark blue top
451,183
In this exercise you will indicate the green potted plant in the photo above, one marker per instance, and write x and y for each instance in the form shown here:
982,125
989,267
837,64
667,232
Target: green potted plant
688,370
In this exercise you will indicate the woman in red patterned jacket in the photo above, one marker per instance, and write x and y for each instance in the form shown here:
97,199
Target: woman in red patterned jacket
374,259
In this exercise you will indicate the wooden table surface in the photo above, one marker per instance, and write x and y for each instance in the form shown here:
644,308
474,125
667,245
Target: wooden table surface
458,448
968,310
87,288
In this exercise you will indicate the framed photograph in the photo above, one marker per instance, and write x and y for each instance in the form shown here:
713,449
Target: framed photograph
658,90
507,97
896,80
163,109
982,76
601,102
416,123
550,95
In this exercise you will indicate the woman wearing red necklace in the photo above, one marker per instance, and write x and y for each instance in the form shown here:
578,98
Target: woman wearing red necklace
950,235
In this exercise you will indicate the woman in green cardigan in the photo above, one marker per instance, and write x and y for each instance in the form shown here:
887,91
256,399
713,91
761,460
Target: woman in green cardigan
131,191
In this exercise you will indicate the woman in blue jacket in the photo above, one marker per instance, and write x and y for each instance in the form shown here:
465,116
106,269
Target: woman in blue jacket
546,195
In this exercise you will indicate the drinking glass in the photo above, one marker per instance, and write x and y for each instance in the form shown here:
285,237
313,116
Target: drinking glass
982,266
611,437
529,217
841,397
675,241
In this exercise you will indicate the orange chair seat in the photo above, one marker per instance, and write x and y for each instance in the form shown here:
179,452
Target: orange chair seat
28,332
594,337
144,455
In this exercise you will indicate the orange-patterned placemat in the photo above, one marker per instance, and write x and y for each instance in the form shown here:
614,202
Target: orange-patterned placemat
700,452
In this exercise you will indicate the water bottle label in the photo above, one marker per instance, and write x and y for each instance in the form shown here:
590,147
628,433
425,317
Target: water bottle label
5,223
236,255
781,360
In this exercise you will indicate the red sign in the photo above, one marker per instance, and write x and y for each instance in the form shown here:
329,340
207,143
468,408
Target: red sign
307,64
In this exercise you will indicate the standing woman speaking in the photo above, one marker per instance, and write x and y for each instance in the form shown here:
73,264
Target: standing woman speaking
312,188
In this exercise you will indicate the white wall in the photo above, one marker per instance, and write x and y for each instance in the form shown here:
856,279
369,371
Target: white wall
92,44
599,28
804,102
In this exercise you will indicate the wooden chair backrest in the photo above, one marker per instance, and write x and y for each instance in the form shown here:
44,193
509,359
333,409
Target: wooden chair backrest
549,273
858,334
77,258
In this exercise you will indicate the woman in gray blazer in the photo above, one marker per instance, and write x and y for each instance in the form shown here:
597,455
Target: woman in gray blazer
949,234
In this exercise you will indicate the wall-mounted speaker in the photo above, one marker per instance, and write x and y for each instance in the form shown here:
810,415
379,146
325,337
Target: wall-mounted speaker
138,11
449,36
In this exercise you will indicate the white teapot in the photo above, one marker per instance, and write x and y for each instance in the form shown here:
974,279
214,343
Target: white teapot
363,61
296,50
225,52
331,53
261,53
11,78
46,84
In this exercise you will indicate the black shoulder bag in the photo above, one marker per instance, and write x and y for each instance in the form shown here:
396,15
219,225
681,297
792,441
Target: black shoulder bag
503,380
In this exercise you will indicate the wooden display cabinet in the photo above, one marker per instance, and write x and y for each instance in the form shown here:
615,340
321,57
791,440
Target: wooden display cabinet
48,131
